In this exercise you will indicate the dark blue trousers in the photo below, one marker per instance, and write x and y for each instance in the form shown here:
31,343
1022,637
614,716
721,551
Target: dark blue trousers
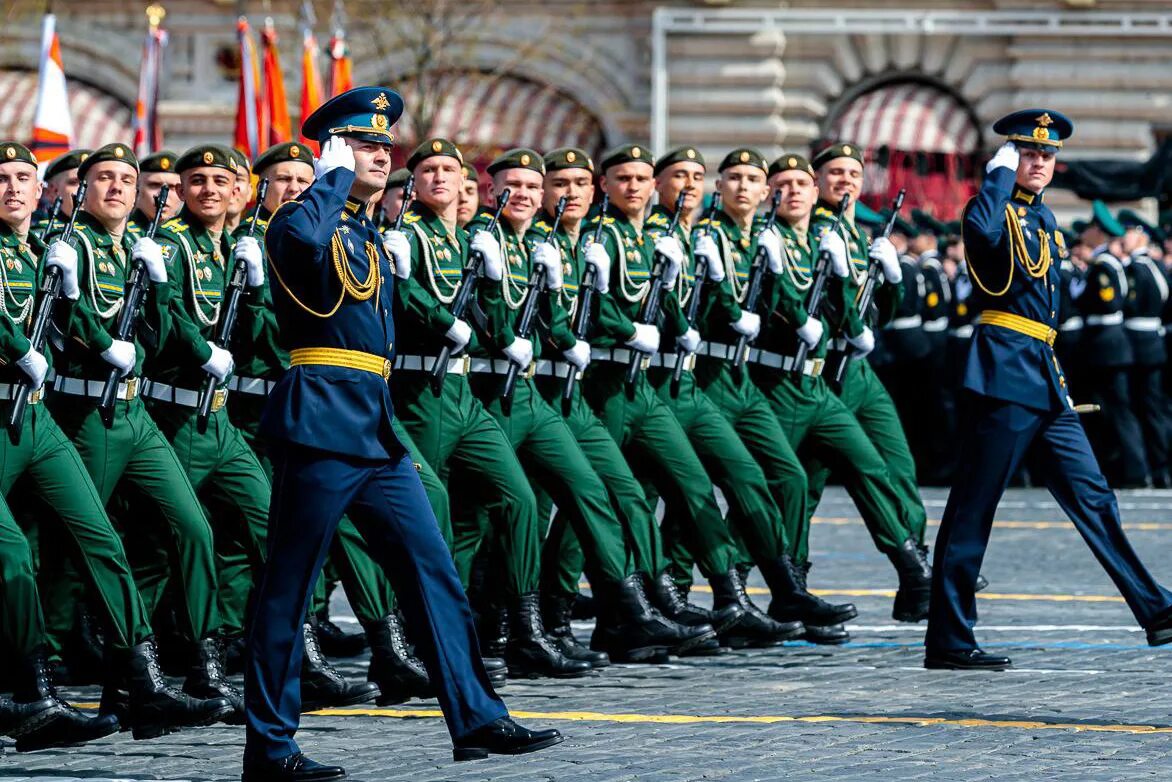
311,491
999,436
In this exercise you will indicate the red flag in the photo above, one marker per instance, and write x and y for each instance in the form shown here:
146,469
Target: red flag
273,93
341,67
52,122
311,94
250,113
148,133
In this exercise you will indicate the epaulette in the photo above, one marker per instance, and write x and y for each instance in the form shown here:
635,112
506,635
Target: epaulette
658,219
411,218
542,226
821,211
175,225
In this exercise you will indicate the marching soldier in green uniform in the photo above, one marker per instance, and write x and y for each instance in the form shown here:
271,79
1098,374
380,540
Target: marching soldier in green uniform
60,180
392,201
816,422
155,170
840,172
443,417
469,203
241,191
727,419
58,473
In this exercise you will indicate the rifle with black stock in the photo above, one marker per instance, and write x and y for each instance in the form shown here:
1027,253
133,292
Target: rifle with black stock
136,289
464,295
818,287
50,291
840,359
228,316
756,278
585,299
700,273
408,194
653,300
53,212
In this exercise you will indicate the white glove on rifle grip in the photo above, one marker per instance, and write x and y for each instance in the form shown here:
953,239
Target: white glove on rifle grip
810,332
221,363
645,339
120,354
247,249
883,251
599,258
713,265
550,259
150,253
689,340
520,352
671,249
578,355
864,343
833,244
35,366
460,334
398,249
486,244
64,257
771,243
749,324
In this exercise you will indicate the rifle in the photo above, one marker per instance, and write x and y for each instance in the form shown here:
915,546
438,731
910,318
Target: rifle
131,304
50,290
464,295
653,301
841,358
525,326
693,311
408,192
818,287
228,316
585,298
756,277
53,212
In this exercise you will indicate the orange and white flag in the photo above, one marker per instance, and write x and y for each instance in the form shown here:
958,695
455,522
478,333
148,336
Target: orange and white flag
52,123
273,84
311,91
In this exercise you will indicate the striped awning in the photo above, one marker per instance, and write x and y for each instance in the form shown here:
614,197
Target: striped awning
486,111
908,117
98,118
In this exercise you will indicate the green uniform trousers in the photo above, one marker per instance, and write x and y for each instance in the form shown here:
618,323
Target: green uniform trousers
864,395
658,449
58,475
820,426
233,486
457,437
22,624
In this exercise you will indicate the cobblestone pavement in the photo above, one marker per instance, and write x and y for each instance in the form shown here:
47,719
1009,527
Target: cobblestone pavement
1087,699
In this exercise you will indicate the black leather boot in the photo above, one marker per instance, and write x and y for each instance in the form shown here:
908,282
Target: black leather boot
636,626
503,737
915,582
555,613
667,597
753,628
492,628
792,602
42,719
400,675
530,654
321,683
498,672
207,678
153,707
336,642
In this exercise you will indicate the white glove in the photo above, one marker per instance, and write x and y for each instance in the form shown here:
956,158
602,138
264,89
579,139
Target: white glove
810,332
771,243
520,352
671,249
247,249
1077,286
335,153
1006,157
220,365
833,244
460,334
689,340
148,251
883,250
550,258
122,355
398,248
579,355
486,244
35,366
646,339
597,256
749,324
64,257
864,343
713,267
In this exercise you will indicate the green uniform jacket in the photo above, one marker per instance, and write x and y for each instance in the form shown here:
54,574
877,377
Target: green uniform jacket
721,305
784,296
503,301
19,277
258,353
559,310
675,323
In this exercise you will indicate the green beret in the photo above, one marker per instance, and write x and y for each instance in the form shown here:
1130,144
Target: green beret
790,163
11,152
117,152
470,172
929,224
837,151
679,155
214,155
1102,217
243,167
431,148
865,215
626,153
743,156
397,178
158,162
290,151
67,162
568,157
517,158
901,226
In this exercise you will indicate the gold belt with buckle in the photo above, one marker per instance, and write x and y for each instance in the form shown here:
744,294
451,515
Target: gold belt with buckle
340,357
1007,320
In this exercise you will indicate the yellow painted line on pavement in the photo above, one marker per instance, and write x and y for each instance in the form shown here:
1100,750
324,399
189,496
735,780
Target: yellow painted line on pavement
695,719
1142,526
1011,596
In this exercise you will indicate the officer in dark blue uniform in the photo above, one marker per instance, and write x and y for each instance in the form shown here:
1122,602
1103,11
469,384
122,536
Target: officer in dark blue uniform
328,421
1019,401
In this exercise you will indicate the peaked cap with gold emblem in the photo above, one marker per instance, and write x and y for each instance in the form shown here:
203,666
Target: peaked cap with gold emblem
365,113
1037,128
